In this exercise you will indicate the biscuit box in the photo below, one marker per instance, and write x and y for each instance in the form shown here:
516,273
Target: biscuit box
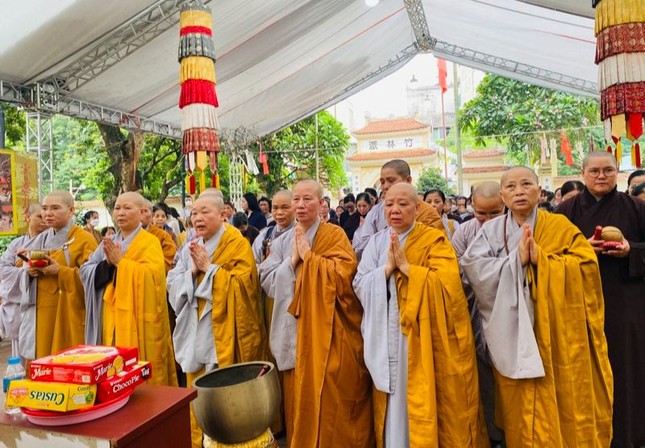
60,397
123,382
84,364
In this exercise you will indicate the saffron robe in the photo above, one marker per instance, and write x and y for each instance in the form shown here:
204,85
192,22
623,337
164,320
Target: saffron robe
561,395
315,339
131,308
375,222
226,298
168,246
623,287
53,306
10,293
433,388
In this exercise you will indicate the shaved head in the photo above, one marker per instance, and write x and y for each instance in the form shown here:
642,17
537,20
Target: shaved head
210,198
401,206
313,184
486,190
129,210
135,198
306,201
400,166
33,208
64,196
282,208
487,201
403,188
213,192
283,194
147,204
515,169
595,155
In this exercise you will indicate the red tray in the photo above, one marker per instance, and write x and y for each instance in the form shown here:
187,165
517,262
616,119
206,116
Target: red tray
51,418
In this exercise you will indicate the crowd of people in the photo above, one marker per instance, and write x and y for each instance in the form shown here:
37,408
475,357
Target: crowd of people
409,319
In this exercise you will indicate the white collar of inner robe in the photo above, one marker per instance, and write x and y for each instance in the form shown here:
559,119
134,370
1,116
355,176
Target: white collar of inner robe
311,231
513,225
403,236
55,239
212,243
125,242
280,230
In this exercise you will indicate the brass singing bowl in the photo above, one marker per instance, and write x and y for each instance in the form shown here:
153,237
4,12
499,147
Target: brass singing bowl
234,405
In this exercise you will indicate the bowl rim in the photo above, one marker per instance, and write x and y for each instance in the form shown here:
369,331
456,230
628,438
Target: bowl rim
231,366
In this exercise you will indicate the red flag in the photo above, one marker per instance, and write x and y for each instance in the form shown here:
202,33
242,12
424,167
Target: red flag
443,74
264,160
565,147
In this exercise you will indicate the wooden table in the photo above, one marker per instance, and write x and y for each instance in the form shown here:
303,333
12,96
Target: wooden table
155,416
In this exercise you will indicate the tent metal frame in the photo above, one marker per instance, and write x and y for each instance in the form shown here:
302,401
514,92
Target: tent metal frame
427,43
40,140
115,46
43,98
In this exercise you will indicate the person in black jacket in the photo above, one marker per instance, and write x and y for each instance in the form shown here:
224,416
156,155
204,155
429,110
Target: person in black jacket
251,207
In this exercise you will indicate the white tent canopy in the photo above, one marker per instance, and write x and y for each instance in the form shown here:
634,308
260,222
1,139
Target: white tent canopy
277,60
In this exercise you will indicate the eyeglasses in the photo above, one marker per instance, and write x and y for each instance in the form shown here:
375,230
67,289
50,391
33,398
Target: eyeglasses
608,172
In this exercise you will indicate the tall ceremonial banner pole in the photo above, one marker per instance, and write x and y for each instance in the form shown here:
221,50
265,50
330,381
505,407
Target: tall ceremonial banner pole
620,55
455,87
443,73
445,140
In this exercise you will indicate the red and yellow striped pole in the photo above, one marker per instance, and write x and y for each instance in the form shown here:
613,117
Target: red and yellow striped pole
198,99
620,55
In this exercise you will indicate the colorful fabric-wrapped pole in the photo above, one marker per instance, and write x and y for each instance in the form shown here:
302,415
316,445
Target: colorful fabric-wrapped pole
198,97
620,55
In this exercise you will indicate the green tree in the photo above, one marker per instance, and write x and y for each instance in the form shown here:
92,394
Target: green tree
431,178
291,153
519,114
15,125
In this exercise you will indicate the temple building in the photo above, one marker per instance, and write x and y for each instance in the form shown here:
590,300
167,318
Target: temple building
381,140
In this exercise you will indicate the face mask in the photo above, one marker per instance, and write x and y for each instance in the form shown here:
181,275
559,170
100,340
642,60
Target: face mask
94,222
453,208
470,210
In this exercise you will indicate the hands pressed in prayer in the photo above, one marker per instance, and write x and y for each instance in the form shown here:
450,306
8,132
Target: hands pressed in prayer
620,251
527,248
200,258
396,258
301,246
112,251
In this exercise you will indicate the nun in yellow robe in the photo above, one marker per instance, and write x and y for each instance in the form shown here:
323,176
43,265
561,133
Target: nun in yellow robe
537,287
125,294
419,345
214,290
52,306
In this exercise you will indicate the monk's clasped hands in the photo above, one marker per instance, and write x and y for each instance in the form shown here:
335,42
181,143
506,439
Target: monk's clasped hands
396,258
301,246
112,251
528,249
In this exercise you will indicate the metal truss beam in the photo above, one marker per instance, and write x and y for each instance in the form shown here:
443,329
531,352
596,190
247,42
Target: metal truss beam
484,60
236,178
115,46
45,98
426,42
417,17
40,140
